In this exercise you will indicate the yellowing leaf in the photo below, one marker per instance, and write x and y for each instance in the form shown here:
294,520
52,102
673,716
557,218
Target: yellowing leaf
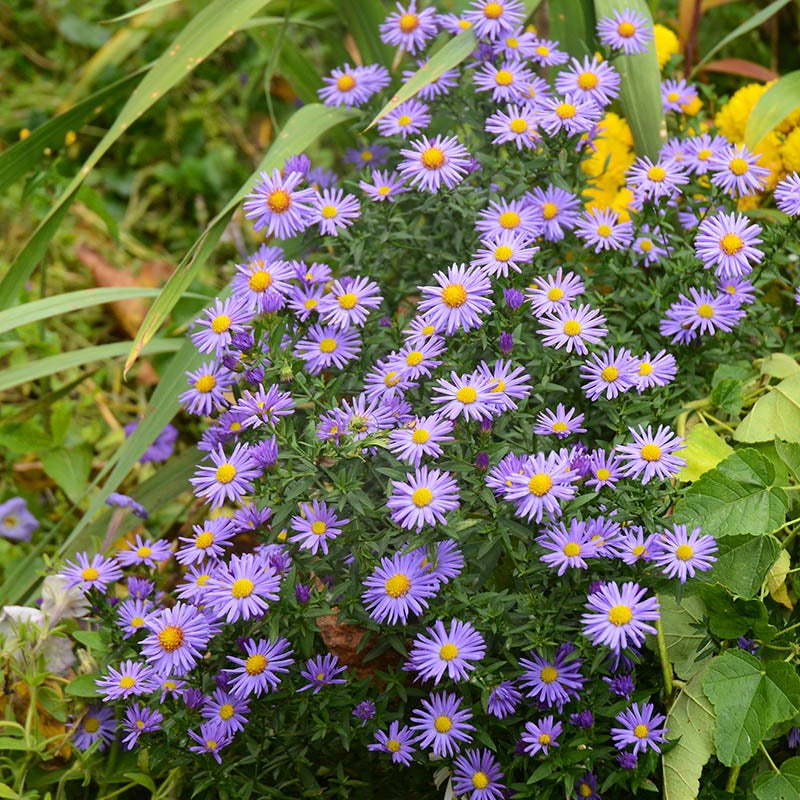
704,450
776,580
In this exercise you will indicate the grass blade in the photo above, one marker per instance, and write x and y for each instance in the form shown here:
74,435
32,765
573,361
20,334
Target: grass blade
780,100
572,25
362,18
303,127
143,9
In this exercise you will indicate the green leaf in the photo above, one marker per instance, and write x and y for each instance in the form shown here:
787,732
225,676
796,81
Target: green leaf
7,793
204,33
779,365
68,302
736,497
772,108
142,780
691,722
640,90
752,22
69,469
704,450
25,438
304,127
34,370
83,686
362,19
572,24
749,697
145,8
777,413
743,563
728,395
784,785
789,453
684,633
92,641
729,618
451,55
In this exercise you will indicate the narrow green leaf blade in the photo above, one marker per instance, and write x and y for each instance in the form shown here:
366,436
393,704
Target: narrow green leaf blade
362,19
780,100
152,5
572,24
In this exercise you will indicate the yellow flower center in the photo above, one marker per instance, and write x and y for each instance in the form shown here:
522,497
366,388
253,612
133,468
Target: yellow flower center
610,374
226,473
566,110
738,166
422,497
493,10
443,723
604,230
645,245
466,395
650,452
346,83
327,345
91,724
673,97
503,77
503,253
318,527
329,212
584,790
704,155
705,311
542,51
560,427
555,294
221,323
414,358
731,244
684,552
420,436
464,24
509,219
204,540
366,156
548,674
640,731
205,383
512,43
480,780
656,173
90,574
243,587
171,638
404,120
499,386
255,664
540,484
312,303
408,23
448,652
549,210
428,330
127,682
398,585
259,281
432,158
545,738
645,368
454,295
384,190
572,327
392,745
620,615
638,550
226,711
587,80
137,622
202,580
603,474
348,300
144,551
626,29
279,201
572,549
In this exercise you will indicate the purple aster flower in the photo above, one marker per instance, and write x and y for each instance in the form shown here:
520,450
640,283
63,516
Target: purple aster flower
177,640
259,672
618,616
458,302
519,45
572,328
132,616
586,787
263,280
639,727
592,79
544,481
568,549
316,525
545,52
213,736
621,685
229,478
387,380
657,370
651,456
478,773
97,725
143,551
605,469
218,323
562,422
507,384
364,711
677,93
444,561
227,710
353,86
627,30
647,246
160,450
327,345
248,517
410,117
573,113
398,742
652,181
242,588
119,500
443,723
552,682
322,671
451,651
385,186
347,303
277,206
208,386
507,216
430,162
787,195
469,396
503,700
418,358
507,82
372,154
421,438
728,242
738,290
423,499
700,150
139,588
552,293
602,229
541,735
400,585
516,125
492,20
556,211
707,312
131,679
582,719
139,720
409,28
95,574
793,738
334,210
611,374
266,406
735,170
681,554
16,522
504,251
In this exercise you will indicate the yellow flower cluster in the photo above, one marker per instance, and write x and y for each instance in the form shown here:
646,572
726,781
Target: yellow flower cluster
666,43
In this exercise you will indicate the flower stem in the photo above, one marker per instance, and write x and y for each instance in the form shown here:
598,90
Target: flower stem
771,762
733,776
666,666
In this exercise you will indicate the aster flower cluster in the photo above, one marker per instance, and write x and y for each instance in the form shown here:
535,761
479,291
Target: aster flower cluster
434,476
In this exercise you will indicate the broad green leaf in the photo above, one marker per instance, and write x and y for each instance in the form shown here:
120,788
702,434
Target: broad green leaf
26,438
640,90
572,24
780,100
789,453
735,497
777,413
70,301
753,22
83,686
204,33
451,55
305,125
143,780
729,617
743,563
69,468
776,580
76,358
704,450
749,697
783,785
728,395
691,726
362,19
779,365
684,633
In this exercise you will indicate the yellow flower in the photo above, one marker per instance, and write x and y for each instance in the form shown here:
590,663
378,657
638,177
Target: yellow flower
769,150
732,117
693,107
614,127
666,44
790,151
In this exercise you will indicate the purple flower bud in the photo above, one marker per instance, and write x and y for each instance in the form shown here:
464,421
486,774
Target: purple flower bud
622,685
596,586
514,298
221,680
747,644
365,710
506,342
473,166
482,461
583,719
272,301
254,375
302,593
230,361
793,738
486,425
385,322
627,760
193,698
242,340
301,164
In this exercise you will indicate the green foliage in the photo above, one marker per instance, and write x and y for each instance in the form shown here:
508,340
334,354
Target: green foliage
783,785
704,450
743,562
775,414
683,624
777,103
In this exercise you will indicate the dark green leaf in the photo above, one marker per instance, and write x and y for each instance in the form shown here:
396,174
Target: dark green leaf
684,633
743,562
731,617
789,453
784,785
728,395
83,686
69,468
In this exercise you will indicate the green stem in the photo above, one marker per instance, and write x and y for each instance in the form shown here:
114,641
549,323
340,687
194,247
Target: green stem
771,762
733,776
716,421
666,666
